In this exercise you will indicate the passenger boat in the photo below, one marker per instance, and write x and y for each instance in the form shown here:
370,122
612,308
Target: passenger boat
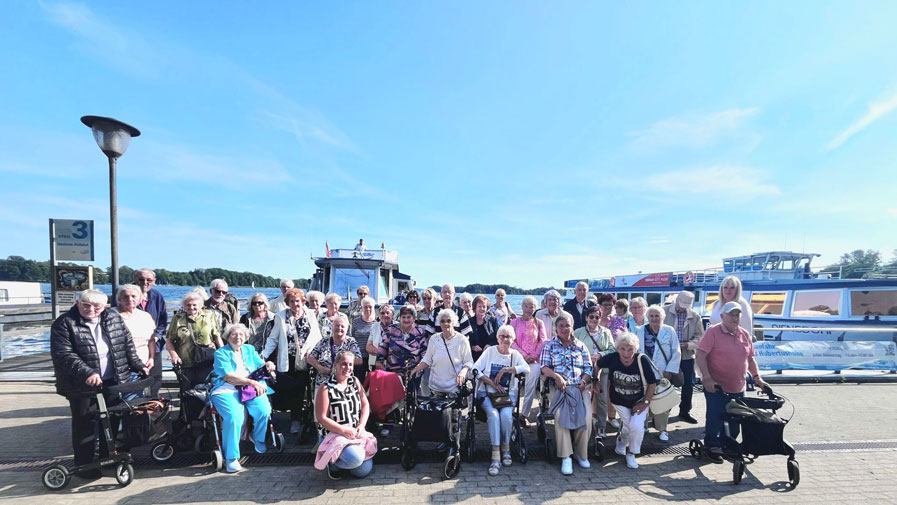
343,271
785,295
20,293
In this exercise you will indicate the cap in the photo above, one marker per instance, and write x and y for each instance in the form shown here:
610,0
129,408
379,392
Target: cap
730,306
685,299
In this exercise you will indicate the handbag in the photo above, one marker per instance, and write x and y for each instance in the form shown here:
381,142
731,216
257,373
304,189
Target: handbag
500,400
677,379
665,395
247,392
202,353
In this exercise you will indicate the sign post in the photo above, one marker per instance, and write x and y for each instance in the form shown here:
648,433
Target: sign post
70,240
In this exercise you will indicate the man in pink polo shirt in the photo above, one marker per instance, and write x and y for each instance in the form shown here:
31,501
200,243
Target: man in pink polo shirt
724,355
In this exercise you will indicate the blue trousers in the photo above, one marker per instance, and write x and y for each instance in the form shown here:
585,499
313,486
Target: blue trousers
352,459
687,366
716,408
232,417
498,421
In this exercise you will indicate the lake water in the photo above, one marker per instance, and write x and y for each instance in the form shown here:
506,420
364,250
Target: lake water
37,339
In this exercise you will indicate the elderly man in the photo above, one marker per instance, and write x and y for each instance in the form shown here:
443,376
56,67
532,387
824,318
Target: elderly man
577,306
724,355
154,303
226,313
278,304
689,329
448,302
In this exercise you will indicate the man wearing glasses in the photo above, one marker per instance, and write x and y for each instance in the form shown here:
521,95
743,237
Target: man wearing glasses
153,303
226,313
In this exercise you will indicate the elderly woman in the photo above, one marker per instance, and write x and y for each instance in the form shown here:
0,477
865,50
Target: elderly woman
341,409
294,335
403,345
484,326
531,337
730,291
566,365
316,303
549,314
355,305
498,367
325,320
447,356
465,300
637,308
628,394
622,308
194,328
91,347
387,312
609,319
233,365
259,320
413,298
659,342
426,317
321,357
365,328
502,310
139,323
599,342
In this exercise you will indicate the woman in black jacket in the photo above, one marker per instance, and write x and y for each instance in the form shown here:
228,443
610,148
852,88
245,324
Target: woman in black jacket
91,348
484,326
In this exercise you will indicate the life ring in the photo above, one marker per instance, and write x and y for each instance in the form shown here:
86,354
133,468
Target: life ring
613,282
689,278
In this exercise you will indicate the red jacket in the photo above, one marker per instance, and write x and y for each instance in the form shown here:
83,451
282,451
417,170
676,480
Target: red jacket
384,390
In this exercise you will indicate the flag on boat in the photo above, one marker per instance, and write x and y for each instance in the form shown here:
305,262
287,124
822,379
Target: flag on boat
327,246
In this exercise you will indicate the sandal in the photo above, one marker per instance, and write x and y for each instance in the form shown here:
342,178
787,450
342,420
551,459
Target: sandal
506,458
493,468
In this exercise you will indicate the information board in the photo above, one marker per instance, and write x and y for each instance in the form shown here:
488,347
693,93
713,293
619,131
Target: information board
73,239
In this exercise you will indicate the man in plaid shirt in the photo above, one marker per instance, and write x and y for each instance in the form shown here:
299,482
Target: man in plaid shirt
689,329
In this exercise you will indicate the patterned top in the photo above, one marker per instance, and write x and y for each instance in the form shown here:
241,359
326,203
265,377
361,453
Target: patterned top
570,361
297,332
345,406
617,326
499,314
531,337
324,352
399,350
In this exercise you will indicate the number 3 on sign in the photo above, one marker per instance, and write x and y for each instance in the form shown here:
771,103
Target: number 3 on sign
80,229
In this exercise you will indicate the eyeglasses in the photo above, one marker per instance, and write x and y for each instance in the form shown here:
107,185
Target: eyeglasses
145,281
87,306
258,303
594,316
219,291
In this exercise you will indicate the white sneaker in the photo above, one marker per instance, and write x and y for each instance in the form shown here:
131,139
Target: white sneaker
630,461
584,463
664,436
620,449
567,466
294,427
615,423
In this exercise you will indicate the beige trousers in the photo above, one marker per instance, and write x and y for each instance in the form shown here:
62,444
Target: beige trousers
573,441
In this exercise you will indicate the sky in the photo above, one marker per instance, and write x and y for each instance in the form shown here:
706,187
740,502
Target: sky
523,143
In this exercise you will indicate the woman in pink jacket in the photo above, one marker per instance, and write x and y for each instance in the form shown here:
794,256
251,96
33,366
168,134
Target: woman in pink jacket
531,337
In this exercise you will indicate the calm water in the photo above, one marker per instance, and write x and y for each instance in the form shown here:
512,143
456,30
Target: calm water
37,340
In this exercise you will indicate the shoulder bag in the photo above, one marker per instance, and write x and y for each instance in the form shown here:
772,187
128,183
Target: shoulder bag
202,354
677,379
665,395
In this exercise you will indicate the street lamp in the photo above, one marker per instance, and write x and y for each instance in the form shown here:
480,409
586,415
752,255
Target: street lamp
113,137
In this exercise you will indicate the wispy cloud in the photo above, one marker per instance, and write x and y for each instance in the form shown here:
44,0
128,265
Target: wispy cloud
892,212
690,130
875,112
743,181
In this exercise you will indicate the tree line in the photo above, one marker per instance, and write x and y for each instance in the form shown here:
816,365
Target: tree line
17,268
492,288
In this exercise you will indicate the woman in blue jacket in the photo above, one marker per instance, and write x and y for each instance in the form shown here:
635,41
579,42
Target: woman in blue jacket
233,364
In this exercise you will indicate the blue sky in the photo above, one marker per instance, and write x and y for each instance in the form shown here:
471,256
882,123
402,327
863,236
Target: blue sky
497,142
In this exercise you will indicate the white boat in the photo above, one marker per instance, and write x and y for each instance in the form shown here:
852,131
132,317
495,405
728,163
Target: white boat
20,293
343,271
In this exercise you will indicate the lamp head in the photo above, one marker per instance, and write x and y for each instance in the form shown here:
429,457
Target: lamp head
112,135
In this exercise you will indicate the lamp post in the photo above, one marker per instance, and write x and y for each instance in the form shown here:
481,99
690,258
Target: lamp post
113,137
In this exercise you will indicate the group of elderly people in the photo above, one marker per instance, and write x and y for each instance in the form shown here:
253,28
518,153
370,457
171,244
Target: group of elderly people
600,355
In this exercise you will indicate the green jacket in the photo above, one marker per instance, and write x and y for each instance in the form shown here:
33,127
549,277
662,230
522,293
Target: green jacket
185,332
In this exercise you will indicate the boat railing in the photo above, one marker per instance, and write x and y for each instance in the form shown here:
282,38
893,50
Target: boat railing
833,354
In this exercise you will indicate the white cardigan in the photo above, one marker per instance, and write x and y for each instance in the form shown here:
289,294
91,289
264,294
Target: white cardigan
277,340
667,338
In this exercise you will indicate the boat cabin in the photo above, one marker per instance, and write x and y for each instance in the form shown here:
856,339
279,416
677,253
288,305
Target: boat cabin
343,271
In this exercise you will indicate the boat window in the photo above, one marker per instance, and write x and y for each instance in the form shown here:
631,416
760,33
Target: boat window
670,298
345,281
873,303
816,303
622,296
4,295
384,286
712,296
636,295
768,303
653,299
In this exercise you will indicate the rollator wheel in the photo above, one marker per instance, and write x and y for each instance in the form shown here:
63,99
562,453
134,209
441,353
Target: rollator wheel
124,474
738,471
162,452
199,445
217,460
56,477
551,450
278,442
694,448
452,466
793,473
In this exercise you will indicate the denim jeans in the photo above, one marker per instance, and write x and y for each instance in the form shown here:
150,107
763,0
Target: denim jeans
499,422
716,408
352,459
687,367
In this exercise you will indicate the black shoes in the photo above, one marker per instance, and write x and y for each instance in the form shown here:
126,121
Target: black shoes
687,418
715,455
335,473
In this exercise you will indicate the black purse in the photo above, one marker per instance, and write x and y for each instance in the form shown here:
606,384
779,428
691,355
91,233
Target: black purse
202,354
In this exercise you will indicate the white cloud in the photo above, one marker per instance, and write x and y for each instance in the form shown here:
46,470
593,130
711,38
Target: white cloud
875,112
691,130
743,181
892,212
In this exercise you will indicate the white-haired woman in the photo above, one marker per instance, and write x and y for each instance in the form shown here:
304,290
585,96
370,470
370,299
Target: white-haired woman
259,320
498,366
531,337
190,329
637,308
730,291
628,393
549,314
234,363
332,302
321,357
316,303
465,300
139,323
659,342
447,356
566,365
502,310
366,332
